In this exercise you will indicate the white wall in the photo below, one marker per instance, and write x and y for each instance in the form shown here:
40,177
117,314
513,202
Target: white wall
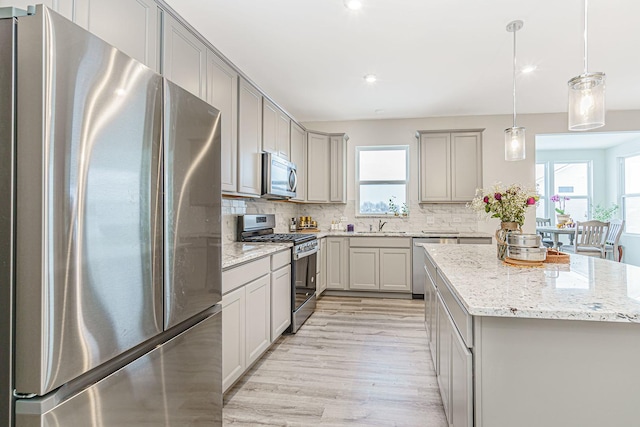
495,168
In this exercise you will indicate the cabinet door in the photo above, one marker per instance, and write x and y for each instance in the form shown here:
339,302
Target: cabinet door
258,311
249,139
318,167
233,337
269,126
184,59
338,169
395,270
283,135
433,314
299,158
336,263
222,93
461,383
364,269
444,357
129,25
435,167
466,165
280,301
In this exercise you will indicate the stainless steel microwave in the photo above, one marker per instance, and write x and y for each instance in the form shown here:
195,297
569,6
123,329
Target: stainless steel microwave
279,177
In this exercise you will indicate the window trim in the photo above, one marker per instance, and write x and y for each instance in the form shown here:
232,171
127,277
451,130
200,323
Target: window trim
358,183
549,182
623,194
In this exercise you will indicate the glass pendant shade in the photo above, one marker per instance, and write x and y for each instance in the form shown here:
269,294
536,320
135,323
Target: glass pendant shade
514,144
586,101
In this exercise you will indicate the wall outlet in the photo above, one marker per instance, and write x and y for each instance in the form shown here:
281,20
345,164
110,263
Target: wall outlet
457,219
343,218
430,219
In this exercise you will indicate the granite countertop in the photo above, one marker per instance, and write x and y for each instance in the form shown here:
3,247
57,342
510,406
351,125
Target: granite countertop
425,233
586,289
240,252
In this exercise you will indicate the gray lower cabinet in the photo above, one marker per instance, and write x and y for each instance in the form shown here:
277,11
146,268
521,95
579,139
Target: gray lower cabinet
129,25
380,264
184,57
337,263
451,355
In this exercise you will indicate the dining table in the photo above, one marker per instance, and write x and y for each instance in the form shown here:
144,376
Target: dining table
555,233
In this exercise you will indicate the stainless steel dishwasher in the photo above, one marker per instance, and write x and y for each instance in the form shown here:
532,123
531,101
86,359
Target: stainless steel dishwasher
418,279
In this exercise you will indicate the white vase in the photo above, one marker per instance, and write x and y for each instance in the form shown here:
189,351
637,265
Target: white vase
563,218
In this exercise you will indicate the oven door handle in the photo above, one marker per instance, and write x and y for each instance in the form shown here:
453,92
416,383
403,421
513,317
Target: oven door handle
304,254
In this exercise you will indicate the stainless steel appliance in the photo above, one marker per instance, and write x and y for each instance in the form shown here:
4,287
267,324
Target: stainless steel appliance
418,279
110,236
259,228
279,177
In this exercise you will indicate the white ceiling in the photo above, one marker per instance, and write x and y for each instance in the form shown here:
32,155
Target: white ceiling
432,57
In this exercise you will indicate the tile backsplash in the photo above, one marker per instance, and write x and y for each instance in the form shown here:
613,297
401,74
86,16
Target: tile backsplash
436,217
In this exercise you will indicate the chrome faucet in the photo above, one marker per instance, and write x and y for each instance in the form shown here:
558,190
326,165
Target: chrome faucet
381,224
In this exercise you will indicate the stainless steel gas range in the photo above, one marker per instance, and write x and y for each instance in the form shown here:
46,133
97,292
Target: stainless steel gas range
259,228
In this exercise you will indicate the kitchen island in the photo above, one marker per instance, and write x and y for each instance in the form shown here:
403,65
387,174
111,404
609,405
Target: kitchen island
557,345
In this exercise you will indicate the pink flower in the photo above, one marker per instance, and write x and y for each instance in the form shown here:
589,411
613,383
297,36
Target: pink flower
486,199
497,196
531,201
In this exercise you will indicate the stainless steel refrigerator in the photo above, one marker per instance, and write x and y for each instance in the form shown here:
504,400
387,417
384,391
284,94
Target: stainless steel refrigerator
110,236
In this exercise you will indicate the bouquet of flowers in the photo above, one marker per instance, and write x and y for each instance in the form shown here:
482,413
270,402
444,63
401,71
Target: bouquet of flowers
559,199
508,204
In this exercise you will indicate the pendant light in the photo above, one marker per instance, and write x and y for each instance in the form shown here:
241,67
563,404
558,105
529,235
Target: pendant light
586,94
514,137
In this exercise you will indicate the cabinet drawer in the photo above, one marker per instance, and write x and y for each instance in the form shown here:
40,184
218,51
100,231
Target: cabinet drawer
380,242
462,319
280,259
238,276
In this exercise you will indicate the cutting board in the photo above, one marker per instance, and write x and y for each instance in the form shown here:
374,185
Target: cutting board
521,263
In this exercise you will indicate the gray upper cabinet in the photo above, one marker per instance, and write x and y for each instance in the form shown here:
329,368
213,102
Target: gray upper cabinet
249,139
338,180
276,130
222,93
129,25
318,167
299,158
184,58
450,165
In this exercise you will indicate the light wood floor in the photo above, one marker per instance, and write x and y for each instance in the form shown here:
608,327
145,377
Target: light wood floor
355,362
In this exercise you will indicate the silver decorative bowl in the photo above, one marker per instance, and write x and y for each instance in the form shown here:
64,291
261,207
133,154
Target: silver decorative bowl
524,240
526,254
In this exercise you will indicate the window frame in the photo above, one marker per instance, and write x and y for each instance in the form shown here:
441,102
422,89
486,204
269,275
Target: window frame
622,185
358,183
549,185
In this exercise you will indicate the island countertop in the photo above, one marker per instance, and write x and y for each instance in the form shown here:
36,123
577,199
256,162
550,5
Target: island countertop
586,289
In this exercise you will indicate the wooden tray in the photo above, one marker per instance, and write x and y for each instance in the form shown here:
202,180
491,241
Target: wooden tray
308,230
557,257
521,263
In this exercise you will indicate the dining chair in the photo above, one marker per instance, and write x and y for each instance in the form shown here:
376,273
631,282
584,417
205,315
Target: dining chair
547,241
612,242
589,238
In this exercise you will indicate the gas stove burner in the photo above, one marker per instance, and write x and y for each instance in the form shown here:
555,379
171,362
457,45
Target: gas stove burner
278,237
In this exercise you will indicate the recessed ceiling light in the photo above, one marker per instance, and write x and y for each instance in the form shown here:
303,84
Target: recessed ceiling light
370,78
529,69
352,4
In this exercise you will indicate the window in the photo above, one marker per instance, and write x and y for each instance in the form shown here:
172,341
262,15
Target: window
569,179
381,175
631,193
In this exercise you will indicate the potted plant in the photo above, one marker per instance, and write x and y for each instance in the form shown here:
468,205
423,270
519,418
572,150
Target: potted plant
393,207
601,213
562,216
